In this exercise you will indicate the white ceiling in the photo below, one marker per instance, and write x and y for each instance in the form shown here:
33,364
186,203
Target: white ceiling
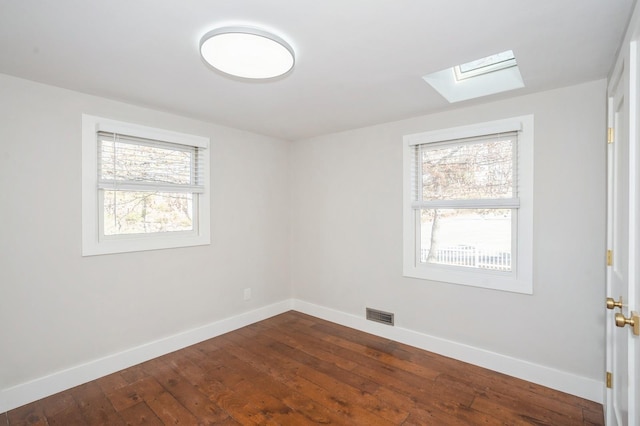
359,62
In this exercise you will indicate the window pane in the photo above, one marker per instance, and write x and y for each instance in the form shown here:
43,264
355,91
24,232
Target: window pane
128,212
467,171
122,161
473,238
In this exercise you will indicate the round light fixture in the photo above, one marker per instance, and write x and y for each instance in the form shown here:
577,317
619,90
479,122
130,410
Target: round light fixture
247,52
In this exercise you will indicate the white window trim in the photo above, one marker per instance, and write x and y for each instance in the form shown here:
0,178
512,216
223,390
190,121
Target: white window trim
92,243
521,279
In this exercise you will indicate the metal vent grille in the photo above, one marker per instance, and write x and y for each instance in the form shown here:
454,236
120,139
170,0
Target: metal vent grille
380,316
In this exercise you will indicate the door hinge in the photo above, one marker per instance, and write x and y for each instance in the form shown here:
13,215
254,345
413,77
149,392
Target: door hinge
609,380
609,257
610,135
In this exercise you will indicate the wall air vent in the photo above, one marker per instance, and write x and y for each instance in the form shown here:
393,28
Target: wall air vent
379,316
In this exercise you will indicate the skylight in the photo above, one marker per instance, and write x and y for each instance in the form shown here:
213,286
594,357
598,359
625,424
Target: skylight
485,65
481,77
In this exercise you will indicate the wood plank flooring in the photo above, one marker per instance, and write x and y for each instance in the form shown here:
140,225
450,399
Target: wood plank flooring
294,369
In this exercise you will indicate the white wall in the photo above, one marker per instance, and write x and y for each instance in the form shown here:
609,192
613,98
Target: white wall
317,221
347,234
58,309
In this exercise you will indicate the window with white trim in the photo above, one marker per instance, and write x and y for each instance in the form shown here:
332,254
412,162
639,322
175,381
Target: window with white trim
143,188
468,205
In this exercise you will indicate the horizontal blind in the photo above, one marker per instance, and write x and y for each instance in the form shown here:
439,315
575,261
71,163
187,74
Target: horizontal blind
129,163
490,183
465,133
416,175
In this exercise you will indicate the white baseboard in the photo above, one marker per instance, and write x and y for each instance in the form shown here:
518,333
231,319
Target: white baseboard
563,381
34,390
25,393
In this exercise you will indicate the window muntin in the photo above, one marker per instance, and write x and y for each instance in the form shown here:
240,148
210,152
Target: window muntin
143,188
468,198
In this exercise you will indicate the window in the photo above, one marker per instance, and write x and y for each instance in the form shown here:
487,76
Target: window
143,188
468,205
482,77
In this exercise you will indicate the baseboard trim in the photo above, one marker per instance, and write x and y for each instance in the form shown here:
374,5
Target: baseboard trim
563,381
42,387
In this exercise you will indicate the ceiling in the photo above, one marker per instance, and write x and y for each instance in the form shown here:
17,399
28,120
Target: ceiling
359,62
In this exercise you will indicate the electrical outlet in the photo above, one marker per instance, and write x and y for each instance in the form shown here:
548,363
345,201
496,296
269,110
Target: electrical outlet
247,293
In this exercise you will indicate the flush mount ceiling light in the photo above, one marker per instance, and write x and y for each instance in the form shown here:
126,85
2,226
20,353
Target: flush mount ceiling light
481,77
247,52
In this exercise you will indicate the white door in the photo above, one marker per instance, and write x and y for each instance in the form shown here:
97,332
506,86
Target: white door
623,346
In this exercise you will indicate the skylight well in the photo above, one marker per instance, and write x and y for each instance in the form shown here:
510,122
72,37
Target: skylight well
481,77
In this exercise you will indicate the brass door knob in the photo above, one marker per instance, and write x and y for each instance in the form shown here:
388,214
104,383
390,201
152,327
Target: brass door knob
612,304
633,321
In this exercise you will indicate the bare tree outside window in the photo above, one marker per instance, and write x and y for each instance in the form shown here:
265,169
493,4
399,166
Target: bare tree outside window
128,212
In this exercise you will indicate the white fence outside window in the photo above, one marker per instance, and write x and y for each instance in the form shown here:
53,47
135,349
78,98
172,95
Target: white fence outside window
470,256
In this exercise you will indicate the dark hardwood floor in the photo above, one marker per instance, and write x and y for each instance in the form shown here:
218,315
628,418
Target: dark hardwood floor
294,369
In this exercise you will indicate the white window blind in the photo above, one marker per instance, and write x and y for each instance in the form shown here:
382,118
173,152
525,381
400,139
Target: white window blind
128,163
473,172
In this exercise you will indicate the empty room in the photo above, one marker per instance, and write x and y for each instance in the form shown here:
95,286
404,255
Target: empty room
290,212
